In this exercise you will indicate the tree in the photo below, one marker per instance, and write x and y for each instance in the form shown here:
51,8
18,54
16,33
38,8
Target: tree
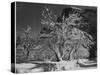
71,42
27,41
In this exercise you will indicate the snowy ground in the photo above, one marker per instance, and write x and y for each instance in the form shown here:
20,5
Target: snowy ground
59,66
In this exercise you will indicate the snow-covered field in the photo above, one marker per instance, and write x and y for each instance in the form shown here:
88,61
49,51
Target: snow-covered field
60,66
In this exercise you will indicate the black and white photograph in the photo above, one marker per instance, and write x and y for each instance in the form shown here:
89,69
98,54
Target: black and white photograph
53,37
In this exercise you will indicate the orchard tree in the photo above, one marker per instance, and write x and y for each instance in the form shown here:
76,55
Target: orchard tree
28,39
71,42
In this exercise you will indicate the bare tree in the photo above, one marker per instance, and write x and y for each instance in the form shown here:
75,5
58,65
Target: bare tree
72,42
26,42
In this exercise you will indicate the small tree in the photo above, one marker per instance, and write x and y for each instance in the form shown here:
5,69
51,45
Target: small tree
28,38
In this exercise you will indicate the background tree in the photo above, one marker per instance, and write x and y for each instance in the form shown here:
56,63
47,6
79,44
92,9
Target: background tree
28,40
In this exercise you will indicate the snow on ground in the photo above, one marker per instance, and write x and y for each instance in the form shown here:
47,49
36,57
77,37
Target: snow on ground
60,66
